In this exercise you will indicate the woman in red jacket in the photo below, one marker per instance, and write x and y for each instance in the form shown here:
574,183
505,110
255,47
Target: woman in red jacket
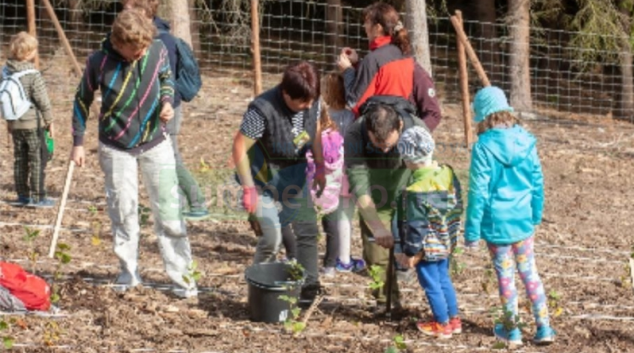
389,68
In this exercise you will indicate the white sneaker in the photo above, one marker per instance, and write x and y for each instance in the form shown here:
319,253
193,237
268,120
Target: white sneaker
126,281
185,293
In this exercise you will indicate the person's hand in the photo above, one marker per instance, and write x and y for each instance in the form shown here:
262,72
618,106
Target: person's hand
51,130
343,62
414,260
402,260
78,155
319,180
167,112
472,245
384,238
250,199
351,54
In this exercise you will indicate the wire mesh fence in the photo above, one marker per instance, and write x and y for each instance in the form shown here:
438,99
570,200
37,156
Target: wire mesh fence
564,77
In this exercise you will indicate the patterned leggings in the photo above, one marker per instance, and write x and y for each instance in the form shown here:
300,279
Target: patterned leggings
505,257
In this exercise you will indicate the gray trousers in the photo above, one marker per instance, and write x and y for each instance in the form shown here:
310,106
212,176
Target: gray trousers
186,182
303,219
122,190
9,302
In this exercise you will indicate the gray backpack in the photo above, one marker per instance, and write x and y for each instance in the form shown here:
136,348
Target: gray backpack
14,102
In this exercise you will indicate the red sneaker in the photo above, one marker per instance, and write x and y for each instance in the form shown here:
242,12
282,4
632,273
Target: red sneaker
435,329
456,325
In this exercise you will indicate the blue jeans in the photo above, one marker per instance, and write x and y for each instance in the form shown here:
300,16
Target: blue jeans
435,280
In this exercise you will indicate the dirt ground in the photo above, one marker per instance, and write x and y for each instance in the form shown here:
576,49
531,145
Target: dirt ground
583,248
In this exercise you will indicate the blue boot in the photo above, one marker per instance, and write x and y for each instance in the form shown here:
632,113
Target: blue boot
513,337
545,335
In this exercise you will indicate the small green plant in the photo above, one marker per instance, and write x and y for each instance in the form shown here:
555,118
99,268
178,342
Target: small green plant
489,282
376,274
52,333
295,270
193,275
29,237
554,303
509,320
7,340
456,266
144,215
292,323
398,345
93,210
96,234
63,258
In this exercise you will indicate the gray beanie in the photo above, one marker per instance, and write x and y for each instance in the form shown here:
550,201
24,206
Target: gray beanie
416,145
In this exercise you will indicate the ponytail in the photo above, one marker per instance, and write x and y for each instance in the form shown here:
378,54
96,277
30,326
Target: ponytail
400,38
385,15
325,122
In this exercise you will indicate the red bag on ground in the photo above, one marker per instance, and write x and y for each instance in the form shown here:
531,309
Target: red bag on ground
32,290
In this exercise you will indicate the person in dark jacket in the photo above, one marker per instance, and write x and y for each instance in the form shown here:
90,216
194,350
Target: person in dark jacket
133,74
187,184
277,130
389,68
377,175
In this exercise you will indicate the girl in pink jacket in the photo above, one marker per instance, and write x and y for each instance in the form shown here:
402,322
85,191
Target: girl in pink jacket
335,203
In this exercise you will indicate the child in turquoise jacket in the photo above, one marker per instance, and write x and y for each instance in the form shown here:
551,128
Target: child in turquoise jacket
506,201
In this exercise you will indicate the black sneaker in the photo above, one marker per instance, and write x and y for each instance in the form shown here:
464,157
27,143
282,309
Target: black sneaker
44,203
308,294
21,201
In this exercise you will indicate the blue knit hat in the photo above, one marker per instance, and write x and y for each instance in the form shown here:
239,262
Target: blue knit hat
416,145
487,101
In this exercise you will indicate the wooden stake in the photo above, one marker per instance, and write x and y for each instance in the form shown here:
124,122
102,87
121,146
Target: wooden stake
60,210
30,15
464,88
462,37
62,36
255,40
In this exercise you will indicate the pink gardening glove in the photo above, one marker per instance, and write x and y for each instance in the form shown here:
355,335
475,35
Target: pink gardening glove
250,199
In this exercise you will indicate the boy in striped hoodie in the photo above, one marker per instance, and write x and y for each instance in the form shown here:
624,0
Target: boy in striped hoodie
428,219
132,71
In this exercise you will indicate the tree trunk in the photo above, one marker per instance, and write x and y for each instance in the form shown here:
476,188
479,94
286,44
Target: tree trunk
75,14
334,29
626,103
194,26
485,42
176,12
417,22
519,65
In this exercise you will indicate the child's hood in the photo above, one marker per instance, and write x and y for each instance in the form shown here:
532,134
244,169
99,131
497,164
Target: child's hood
431,179
17,66
509,146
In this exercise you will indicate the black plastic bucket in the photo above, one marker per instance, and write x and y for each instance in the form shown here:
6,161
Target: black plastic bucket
267,282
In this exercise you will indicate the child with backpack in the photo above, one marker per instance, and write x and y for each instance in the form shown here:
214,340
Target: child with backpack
132,72
27,108
506,201
335,203
428,218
